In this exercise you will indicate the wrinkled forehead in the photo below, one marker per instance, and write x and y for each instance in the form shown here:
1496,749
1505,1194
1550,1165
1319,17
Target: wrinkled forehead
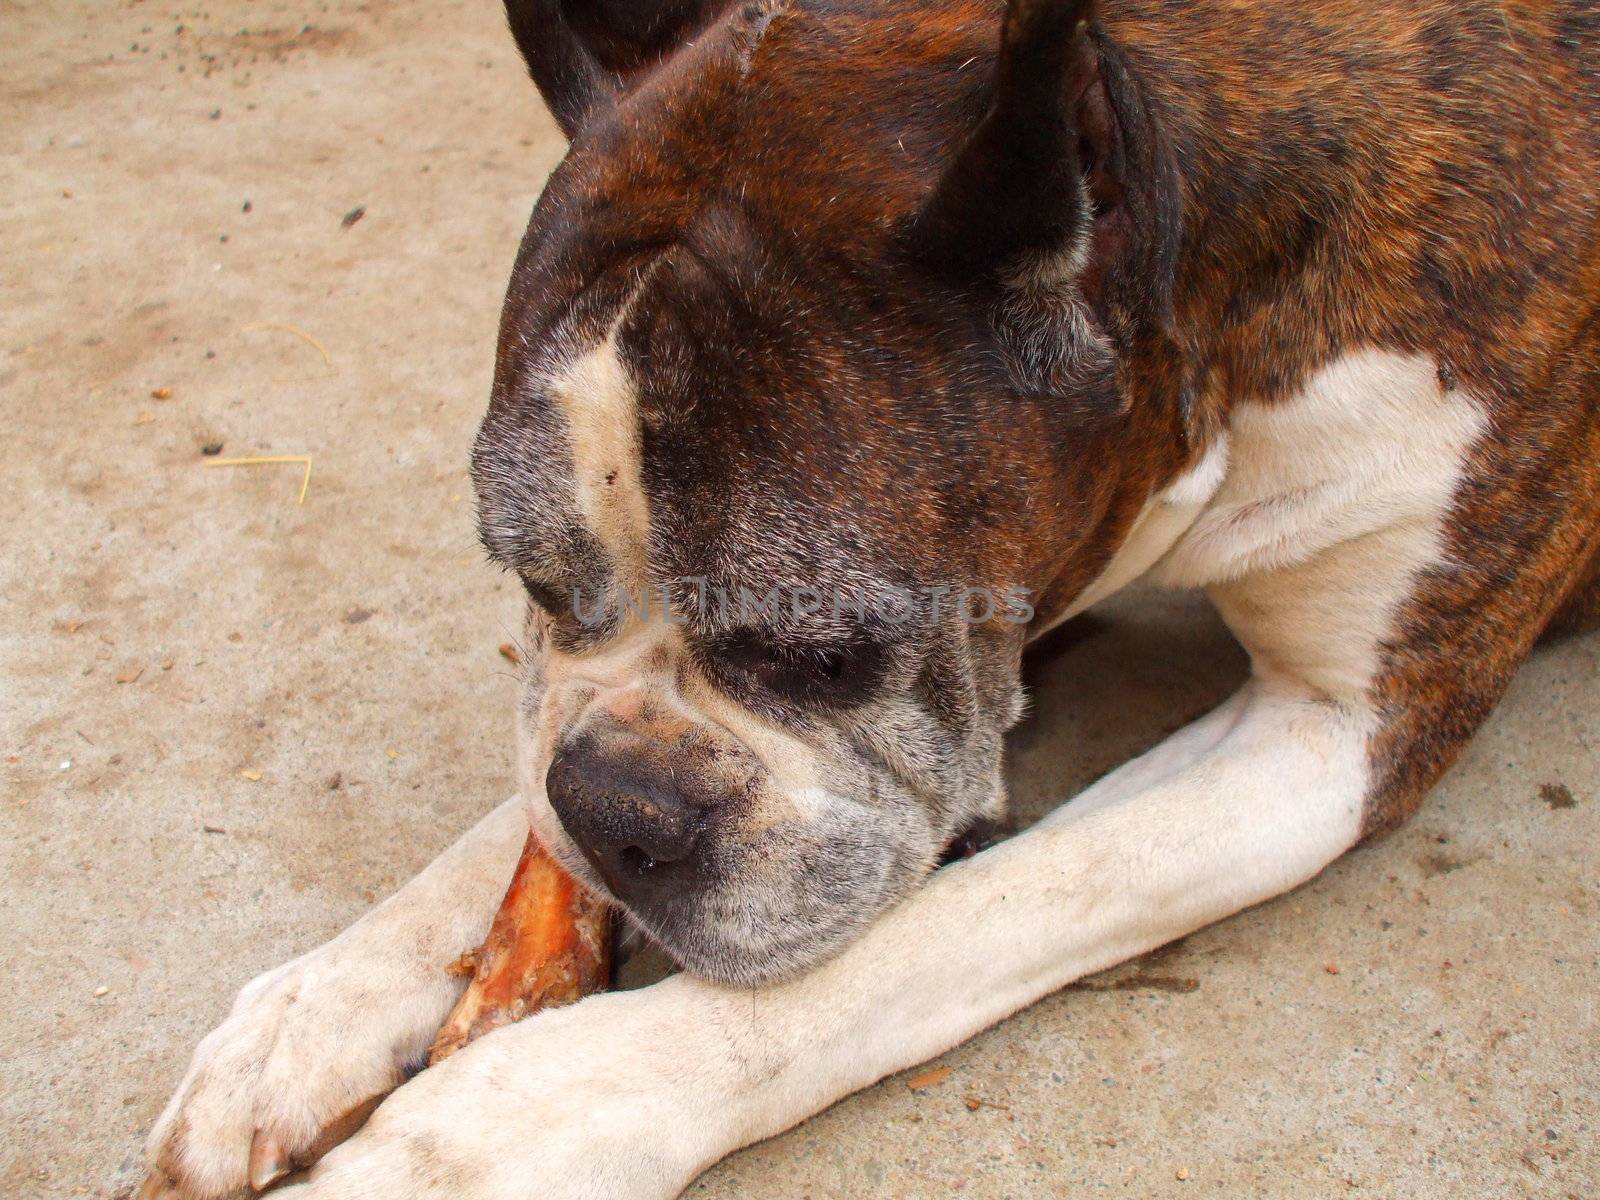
716,421
709,364
829,119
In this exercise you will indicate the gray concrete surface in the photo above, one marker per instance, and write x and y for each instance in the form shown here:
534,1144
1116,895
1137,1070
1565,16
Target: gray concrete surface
174,179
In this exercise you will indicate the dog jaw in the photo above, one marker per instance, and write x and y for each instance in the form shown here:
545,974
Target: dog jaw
797,868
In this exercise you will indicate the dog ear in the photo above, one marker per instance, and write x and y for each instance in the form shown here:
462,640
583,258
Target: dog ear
1014,190
585,53
1064,197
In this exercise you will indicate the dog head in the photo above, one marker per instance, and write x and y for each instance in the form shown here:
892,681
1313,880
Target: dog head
830,366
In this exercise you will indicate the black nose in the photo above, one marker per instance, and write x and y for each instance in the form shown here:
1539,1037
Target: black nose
636,828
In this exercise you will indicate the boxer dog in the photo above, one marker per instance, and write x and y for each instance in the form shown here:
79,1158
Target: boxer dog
839,301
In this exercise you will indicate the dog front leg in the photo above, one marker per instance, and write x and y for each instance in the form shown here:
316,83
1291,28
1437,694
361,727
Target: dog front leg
320,1038
633,1094
1251,802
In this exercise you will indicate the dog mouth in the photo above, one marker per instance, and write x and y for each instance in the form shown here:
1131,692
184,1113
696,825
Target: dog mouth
754,906
974,839
649,948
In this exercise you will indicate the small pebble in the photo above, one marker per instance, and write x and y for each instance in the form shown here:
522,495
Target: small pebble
1182,1174
102,990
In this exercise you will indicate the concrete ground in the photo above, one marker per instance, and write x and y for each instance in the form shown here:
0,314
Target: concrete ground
230,721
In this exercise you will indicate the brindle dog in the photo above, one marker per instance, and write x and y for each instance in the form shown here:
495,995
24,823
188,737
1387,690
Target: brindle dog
922,298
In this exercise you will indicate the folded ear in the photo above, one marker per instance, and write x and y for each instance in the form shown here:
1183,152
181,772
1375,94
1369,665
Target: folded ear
584,53
1015,188
1064,197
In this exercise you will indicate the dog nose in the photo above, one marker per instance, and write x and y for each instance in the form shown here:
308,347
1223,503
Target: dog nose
624,812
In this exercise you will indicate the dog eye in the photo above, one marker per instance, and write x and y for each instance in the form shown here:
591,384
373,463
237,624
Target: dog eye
822,676
576,622
545,596
822,667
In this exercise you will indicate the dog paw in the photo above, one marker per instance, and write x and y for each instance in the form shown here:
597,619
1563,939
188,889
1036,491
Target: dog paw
305,1053
605,1099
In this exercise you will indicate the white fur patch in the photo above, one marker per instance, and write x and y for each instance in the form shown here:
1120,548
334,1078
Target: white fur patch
1328,503
601,406
1333,501
635,1093
1373,439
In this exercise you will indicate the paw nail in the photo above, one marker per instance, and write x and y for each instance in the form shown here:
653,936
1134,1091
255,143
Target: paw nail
268,1161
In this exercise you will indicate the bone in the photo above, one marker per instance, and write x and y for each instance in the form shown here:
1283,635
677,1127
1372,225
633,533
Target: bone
550,944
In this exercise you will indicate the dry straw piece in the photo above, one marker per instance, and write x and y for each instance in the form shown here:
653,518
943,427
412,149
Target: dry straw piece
263,460
285,327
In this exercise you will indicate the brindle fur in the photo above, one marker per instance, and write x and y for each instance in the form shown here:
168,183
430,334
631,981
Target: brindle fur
940,293
842,359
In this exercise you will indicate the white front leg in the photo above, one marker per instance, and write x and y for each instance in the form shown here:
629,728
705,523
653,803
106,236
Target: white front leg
339,1026
1271,792
633,1094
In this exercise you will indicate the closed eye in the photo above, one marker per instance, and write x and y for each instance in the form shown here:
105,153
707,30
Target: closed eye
807,675
579,620
546,597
